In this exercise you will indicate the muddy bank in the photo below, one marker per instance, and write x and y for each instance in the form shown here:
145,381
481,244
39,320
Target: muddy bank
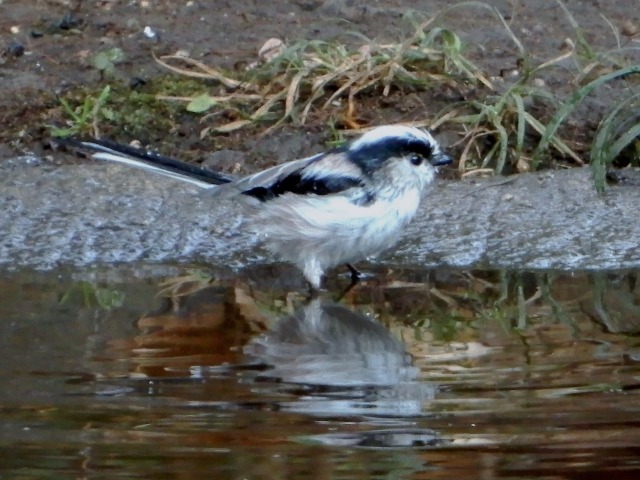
48,50
103,214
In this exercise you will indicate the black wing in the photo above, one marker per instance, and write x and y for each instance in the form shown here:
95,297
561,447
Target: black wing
300,184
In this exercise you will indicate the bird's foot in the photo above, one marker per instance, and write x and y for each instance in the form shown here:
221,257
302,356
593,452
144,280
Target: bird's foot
357,275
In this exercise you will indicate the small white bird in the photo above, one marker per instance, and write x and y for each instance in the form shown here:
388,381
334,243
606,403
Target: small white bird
335,207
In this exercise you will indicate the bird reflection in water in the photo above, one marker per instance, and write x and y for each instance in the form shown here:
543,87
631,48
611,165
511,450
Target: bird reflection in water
349,363
324,360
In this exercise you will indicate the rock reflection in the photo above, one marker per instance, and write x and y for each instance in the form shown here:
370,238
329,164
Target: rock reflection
200,328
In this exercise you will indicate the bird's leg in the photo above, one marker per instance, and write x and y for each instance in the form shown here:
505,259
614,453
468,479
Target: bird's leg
352,284
313,292
356,274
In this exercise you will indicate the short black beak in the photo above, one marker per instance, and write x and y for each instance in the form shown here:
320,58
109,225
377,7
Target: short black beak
440,159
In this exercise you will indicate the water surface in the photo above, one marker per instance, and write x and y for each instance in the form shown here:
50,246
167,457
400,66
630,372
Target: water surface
416,374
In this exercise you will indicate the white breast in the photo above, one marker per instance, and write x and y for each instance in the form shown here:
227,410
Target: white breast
319,232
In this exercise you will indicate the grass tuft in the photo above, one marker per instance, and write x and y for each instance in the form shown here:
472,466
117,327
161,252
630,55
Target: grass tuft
321,75
572,102
505,125
617,139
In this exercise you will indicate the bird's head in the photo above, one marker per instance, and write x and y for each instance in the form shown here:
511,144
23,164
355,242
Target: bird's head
399,155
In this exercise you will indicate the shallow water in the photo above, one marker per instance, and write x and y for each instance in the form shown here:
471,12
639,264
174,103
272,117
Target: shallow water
415,374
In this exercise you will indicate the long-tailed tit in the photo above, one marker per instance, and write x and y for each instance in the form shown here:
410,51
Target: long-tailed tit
335,207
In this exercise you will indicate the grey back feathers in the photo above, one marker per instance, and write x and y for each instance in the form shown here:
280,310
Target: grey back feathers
344,167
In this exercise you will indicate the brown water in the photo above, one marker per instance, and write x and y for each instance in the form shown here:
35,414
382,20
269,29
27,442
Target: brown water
419,374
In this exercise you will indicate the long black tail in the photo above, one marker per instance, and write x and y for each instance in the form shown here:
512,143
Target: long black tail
151,161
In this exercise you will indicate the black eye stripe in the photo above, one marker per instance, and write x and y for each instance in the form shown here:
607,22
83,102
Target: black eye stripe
423,149
371,156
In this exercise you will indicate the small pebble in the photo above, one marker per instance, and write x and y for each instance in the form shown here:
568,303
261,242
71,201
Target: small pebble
522,166
136,82
509,72
270,49
629,28
15,49
539,82
149,32
68,22
36,34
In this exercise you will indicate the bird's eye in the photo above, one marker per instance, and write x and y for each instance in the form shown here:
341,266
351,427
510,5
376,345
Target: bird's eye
416,159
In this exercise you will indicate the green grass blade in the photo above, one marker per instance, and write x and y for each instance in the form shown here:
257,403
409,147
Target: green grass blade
582,42
631,135
571,104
